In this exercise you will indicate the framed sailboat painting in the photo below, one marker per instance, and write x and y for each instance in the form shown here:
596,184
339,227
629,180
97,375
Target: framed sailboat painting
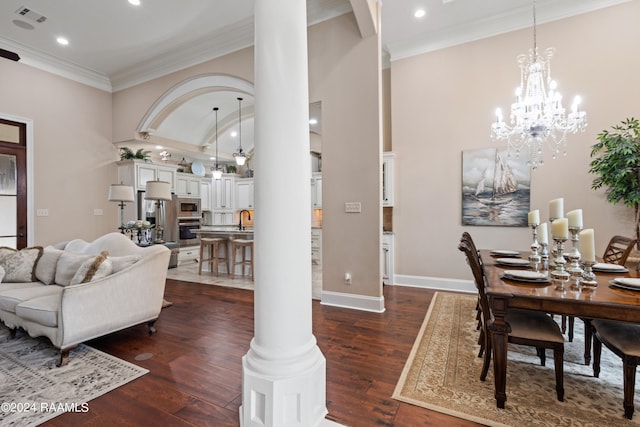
495,188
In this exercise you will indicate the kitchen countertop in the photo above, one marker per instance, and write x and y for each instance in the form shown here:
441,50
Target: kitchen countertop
218,230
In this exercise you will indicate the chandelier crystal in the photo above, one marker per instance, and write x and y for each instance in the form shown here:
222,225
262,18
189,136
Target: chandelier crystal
537,116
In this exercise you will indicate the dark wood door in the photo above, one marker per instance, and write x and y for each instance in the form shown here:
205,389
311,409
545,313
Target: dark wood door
13,184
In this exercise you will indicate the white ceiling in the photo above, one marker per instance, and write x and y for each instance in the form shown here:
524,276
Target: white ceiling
114,45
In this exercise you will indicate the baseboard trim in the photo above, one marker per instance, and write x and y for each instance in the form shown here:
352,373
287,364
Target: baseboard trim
439,283
356,302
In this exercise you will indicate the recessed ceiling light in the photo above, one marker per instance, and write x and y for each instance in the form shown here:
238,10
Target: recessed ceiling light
158,147
234,134
420,13
62,40
313,121
135,2
212,158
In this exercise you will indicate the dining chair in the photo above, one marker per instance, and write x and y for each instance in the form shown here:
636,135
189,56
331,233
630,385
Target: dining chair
623,339
616,252
527,327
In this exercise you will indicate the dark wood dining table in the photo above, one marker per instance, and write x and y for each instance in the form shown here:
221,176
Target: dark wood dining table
603,302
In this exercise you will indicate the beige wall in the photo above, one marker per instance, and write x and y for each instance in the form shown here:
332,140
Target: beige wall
73,154
443,103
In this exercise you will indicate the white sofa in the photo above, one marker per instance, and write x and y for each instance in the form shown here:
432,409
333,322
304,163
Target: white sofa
126,288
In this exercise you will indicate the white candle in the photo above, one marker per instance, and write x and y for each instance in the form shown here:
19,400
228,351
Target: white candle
560,228
586,245
543,234
534,217
575,218
556,208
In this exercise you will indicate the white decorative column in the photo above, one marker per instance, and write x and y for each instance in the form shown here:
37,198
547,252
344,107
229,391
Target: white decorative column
284,372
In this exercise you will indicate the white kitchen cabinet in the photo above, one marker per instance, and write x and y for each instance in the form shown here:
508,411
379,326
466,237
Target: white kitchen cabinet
137,172
188,254
387,260
316,246
187,185
223,193
223,218
205,195
316,191
387,178
244,193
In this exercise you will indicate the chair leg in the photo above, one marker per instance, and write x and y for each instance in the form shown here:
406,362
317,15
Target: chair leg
588,337
629,381
481,342
563,324
558,359
571,323
487,357
543,355
597,352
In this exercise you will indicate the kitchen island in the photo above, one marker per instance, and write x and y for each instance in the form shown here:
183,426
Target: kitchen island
229,233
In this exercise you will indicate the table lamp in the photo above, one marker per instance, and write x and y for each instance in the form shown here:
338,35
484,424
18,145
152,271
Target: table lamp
121,193
158,191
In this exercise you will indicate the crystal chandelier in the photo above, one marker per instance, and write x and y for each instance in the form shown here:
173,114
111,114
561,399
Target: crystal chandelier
217,172
537,115
239,155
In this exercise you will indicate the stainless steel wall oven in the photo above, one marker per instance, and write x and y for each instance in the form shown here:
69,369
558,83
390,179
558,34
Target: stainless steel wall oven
186,225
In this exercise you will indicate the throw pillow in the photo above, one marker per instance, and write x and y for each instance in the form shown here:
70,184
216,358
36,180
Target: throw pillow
46,267
68,264
19,266
121,262
93,269
1,273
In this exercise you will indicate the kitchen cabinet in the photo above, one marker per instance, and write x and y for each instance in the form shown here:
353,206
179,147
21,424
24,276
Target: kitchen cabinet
316,191
188,254
223,193
205,195
244,194
187,185
387,260
387,178
316,246
223,218
136,173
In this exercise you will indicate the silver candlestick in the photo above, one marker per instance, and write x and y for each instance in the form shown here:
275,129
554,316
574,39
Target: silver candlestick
544,256
588,278
553,248
534,257
560,272
574,268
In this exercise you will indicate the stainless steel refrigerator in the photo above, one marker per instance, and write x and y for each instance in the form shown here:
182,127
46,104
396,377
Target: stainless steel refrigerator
147,211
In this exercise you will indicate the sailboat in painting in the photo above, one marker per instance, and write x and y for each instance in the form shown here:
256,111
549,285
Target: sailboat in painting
503,184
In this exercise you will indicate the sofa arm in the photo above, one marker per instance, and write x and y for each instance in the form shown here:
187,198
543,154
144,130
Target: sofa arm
129,297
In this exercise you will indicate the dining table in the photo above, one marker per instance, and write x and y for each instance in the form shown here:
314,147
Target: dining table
557,297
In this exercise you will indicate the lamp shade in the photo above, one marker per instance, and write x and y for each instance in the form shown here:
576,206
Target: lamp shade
120,193
158,190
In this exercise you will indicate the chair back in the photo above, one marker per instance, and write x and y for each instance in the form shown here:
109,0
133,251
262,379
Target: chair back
477,268
618,249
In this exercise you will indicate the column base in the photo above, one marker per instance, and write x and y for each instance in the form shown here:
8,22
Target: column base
294,399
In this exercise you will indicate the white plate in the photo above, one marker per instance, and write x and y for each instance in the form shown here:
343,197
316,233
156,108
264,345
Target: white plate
525,275
197,168
505,252
622,286
605,267
519,262
628,281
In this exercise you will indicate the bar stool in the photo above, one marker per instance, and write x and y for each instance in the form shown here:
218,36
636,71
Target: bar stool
243,245
213,246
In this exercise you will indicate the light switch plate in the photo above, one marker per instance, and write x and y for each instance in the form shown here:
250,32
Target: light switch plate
353,207
42,212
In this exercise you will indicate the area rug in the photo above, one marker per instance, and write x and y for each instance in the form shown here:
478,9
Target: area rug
443,374
33,390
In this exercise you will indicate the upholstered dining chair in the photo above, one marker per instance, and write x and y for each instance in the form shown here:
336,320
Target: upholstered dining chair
617,252
623,339
530,328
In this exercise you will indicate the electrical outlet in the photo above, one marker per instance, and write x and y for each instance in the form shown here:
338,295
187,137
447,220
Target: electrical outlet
42,212
353,207
347,278
98,212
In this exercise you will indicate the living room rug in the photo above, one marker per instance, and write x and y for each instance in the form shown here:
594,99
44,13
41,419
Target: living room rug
442,373
33,390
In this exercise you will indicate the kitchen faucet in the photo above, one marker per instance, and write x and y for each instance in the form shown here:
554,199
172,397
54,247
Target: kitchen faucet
248,218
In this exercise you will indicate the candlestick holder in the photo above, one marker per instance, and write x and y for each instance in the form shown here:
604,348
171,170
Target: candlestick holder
588,278
560,272
534,257
553,248
544,256
574,269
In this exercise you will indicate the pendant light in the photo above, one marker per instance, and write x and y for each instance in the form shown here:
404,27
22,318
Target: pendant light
217,172
239,155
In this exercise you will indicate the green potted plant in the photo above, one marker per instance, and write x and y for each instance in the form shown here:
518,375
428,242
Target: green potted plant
617,164
127,153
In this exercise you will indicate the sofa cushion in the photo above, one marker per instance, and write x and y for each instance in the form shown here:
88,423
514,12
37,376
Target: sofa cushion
10,298
76,245
68,264
46,267
41,310
93,269
119,263
19,266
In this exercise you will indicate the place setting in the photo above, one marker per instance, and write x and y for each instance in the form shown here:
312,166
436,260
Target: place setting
628,283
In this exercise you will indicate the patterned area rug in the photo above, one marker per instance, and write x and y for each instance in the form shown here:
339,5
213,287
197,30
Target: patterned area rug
33,389
443,374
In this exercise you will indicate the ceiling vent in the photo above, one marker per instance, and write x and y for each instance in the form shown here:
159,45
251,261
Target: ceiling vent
30,14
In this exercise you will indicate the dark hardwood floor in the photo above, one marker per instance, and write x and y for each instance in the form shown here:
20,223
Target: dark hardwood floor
196,370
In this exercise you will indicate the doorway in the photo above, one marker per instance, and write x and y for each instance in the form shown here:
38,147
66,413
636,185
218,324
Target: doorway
13,184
